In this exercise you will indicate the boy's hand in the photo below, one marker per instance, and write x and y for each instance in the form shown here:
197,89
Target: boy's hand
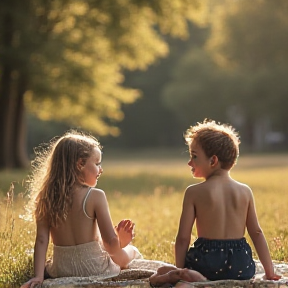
273,276
125,232
32,283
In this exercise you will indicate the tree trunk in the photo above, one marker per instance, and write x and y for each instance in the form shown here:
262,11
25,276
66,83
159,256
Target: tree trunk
5,92
5,123
13,152
19,131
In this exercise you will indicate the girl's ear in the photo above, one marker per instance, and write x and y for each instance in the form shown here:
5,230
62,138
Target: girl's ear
80,164
214,160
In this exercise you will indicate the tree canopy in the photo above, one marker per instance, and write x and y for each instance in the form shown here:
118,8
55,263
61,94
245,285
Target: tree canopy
253,45
242,67
64,60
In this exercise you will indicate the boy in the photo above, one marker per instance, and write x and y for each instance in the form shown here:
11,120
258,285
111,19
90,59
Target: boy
222,209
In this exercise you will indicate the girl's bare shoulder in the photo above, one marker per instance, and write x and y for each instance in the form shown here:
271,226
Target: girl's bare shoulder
97,195
97,191
96,200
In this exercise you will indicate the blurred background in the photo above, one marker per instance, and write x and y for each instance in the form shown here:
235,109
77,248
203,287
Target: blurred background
137,73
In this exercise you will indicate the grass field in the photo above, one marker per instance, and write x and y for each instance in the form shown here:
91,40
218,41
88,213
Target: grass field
148,188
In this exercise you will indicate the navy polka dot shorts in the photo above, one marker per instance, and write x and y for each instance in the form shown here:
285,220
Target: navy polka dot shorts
221,259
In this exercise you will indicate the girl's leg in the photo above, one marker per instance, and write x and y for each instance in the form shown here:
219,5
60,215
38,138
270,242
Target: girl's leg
126,255
133,252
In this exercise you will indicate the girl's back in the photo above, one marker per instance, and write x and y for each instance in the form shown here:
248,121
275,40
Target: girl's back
77,228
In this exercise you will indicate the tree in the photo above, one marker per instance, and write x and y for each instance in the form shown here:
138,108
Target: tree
63,59
147,122
249,41
195,91
239,75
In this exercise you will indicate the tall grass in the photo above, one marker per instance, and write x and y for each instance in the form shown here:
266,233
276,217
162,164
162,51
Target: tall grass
16,240
149,190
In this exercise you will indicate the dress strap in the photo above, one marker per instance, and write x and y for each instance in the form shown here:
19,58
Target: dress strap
84,204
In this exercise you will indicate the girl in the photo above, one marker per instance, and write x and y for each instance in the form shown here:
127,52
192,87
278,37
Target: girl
73,212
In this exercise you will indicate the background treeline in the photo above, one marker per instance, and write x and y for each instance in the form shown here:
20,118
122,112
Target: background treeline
234,68
138,73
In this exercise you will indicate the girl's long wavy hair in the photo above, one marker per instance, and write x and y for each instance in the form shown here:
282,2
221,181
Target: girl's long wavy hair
55,172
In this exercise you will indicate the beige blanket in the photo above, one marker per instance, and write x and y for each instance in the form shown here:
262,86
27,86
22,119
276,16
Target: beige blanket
140,270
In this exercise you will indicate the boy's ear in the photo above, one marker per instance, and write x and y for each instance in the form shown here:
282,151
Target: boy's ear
213,160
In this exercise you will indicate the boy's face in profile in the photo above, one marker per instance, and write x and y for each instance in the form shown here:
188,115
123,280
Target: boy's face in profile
199,162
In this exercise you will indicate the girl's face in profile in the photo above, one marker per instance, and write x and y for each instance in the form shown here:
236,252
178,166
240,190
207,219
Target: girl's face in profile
92,169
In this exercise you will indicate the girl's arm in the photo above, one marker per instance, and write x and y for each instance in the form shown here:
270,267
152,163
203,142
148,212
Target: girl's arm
110,239
183,237
40,249
125,233
259,241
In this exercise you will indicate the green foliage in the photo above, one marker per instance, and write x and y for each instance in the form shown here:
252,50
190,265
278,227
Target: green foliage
238,74
196,89
73,52
248,40
250,34
149,190
163,123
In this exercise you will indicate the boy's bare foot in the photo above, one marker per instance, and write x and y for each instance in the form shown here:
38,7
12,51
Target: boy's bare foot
191,275
175,275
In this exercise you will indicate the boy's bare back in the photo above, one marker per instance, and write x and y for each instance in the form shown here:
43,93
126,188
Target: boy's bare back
220,207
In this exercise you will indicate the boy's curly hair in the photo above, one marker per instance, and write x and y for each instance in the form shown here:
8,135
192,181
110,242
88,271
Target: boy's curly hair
55,171
216,139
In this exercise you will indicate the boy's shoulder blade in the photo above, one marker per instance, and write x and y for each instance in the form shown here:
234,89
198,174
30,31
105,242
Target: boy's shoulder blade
242,185
196,187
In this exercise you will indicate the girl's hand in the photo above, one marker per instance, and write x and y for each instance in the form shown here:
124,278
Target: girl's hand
125,232
32,283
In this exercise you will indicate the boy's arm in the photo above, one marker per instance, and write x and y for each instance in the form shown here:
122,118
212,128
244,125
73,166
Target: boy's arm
185,228
259,241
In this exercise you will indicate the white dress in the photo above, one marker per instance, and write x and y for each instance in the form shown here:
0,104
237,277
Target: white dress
83,260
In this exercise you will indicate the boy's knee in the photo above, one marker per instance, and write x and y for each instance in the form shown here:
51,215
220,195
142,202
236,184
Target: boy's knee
165,269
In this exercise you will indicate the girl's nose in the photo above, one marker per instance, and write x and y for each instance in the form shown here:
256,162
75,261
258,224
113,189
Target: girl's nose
189,163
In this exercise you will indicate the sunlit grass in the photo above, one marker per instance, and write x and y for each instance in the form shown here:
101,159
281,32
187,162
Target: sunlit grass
148,190
15,176
16,240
